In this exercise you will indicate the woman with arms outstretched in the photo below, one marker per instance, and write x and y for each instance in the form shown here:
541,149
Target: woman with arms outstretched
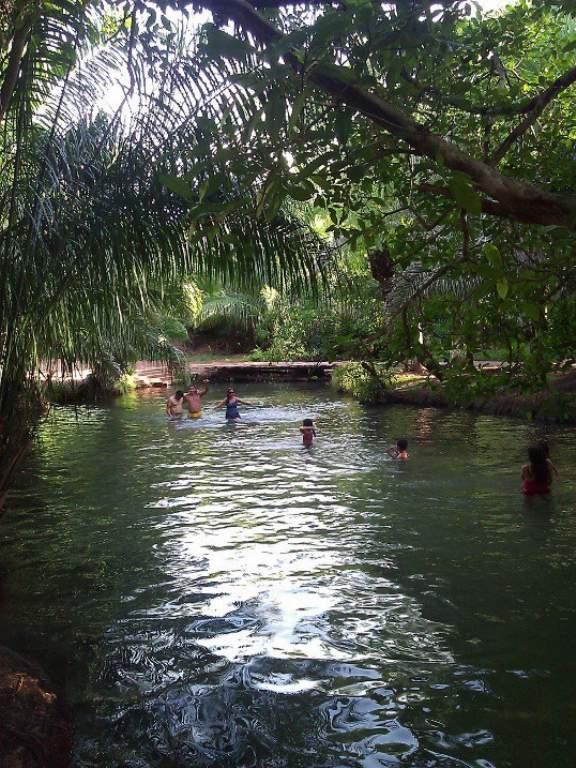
231,401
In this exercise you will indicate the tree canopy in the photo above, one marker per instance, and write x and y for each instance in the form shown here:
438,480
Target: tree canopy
437,143
438,138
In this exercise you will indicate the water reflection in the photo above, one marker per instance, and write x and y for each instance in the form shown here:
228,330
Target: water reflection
214,595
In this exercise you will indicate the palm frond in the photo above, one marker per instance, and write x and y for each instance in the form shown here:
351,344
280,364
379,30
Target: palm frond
415,283
92,241
241,309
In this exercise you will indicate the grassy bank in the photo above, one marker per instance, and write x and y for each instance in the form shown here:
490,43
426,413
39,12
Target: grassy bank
373,384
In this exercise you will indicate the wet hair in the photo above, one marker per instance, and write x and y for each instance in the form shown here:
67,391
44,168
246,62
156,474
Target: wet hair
545,447
402,444
229,393
179,394
539,463
307,423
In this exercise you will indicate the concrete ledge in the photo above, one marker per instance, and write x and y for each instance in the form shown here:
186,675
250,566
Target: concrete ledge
252,371
242,371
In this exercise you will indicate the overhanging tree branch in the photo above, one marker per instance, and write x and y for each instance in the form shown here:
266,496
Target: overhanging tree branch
539,105
489,207
526,106
517,200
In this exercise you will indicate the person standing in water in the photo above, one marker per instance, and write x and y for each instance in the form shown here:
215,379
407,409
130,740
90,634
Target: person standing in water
308,432
175,404
537,474
193,400
231,401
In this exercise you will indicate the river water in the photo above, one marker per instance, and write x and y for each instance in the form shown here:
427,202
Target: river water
217,595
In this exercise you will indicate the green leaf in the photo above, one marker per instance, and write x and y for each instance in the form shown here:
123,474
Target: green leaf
464,194
302,191
220,44
502,288
343,126
493,256
176,185
297,107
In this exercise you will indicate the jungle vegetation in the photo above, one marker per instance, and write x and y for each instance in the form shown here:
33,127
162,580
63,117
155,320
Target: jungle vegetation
401,174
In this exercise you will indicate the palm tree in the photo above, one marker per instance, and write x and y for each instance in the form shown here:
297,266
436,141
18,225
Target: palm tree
93,233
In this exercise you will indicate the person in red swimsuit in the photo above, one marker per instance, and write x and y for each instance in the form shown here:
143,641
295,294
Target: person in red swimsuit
308,432
536,475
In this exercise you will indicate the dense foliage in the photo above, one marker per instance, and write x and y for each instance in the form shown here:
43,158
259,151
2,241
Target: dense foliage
442,140
94,245
436,145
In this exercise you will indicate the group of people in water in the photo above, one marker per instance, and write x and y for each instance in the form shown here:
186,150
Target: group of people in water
537,474
192,400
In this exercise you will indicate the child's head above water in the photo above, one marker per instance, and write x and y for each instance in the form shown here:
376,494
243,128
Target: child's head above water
537,454
543,444
307,423
402,444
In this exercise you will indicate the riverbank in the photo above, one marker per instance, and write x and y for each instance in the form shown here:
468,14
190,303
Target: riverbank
555,405
147,375
34,730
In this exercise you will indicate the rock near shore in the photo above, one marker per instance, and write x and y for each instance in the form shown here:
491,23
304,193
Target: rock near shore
34,731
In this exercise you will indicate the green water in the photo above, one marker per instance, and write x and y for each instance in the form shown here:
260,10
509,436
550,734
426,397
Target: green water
216,595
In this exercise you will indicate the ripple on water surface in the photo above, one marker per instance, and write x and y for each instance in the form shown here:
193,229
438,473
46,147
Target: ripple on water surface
214,594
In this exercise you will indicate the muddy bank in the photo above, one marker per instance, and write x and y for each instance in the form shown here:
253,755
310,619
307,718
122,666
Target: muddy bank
34,730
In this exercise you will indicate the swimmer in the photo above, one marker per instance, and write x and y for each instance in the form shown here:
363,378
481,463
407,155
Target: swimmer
401,450
537,474
175,404
231,401
308,432
193,400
